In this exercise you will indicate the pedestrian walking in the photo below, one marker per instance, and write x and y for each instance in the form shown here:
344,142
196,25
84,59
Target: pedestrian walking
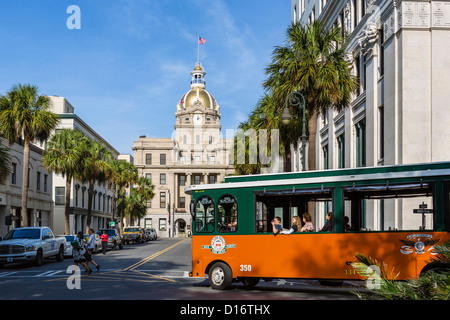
90,248
79,252
104,237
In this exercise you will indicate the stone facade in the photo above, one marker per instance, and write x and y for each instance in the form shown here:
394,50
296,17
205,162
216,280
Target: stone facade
102,209
39,202
399,50
196,153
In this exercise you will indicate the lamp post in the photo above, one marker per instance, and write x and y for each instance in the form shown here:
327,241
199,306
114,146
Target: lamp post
296,99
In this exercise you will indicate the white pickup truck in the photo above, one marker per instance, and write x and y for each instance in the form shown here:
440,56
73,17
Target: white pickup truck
31,244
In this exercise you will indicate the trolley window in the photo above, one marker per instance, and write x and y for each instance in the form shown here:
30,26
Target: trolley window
286,204
204,214
389,207
227,210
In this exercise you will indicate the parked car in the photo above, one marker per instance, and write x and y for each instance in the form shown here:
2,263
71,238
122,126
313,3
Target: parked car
133,234
31,244
154,233
97,244
149,234
115,239
69,249
145,235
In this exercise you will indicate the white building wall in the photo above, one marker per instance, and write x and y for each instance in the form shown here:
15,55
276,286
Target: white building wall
39,200
413,91
100,213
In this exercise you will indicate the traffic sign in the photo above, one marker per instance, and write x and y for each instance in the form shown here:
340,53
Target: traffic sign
422,211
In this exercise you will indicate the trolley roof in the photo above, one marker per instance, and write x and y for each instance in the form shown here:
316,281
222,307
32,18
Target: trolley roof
421,170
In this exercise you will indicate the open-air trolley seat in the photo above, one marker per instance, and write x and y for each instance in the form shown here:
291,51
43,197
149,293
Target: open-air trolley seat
395,214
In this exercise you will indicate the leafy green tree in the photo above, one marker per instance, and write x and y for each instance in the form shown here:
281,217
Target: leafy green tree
112,175
124,175
135,205
26,115
312,62
5,163
145,188
265,116
94,169
64,155
433,284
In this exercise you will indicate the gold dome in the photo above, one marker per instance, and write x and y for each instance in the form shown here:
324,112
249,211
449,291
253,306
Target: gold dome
191,97
198,67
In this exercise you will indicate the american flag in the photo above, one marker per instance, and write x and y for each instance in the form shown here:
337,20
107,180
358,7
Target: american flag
201,40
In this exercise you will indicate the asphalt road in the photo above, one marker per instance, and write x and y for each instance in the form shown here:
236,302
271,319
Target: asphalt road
156,270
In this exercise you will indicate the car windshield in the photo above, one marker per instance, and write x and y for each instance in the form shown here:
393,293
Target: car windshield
131,229
23,234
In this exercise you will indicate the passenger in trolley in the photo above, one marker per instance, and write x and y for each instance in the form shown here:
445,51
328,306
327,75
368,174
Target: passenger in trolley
308,227
296,226
329,224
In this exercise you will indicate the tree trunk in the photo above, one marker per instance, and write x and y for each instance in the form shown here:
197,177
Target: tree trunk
121,212
113,202
312,130
67,205
89,213
26,161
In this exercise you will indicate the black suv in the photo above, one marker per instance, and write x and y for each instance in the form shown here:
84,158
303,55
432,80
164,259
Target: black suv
114,238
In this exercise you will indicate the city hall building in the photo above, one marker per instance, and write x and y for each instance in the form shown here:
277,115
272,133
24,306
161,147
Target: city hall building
400,51
195,154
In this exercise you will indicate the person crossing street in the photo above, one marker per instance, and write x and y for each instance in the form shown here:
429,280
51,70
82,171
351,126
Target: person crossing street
104,237
90,249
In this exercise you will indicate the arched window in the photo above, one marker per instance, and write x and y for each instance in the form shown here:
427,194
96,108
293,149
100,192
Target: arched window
227,210
204,214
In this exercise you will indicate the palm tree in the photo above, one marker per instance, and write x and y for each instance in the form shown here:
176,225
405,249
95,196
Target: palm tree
125,174
433,283
64,155
313,62
267,116
24,114
112,175
145,188
95,165
5,163
134,205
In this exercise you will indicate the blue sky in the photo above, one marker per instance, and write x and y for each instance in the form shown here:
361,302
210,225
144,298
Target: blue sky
127,67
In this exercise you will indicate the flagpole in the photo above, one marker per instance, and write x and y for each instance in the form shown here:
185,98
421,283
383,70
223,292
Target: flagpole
198,49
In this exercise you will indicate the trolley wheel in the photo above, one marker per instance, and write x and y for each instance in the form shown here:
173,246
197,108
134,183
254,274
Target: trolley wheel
220,276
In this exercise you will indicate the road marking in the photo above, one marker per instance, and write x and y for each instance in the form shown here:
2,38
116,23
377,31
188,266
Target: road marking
153,256
50,273
6,274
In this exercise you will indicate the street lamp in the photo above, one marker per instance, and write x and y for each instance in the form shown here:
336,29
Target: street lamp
296,99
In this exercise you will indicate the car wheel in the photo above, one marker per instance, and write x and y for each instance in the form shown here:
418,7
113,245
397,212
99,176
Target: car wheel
39,260
60,255
220,276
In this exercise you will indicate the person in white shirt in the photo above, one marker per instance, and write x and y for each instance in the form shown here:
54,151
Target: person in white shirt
90,249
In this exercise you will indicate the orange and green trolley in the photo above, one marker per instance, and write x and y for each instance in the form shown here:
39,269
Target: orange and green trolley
394,214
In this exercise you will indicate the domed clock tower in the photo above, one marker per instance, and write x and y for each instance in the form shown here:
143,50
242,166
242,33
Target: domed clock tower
196,153
197,119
